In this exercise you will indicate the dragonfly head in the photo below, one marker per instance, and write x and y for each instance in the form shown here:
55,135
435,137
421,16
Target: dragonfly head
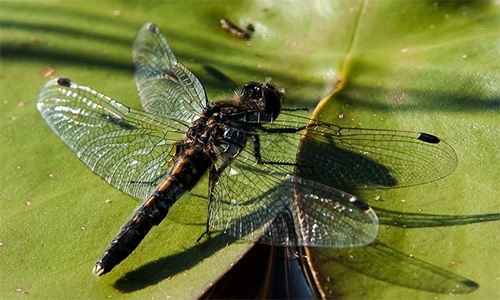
269,99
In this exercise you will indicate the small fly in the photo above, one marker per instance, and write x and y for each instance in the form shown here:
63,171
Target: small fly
274,176
233,29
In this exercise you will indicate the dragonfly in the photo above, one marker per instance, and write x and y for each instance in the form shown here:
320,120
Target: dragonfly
275,176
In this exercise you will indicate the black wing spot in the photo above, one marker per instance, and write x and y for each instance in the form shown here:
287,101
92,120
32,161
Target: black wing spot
429,138
64,81
152,27
118,121
359,204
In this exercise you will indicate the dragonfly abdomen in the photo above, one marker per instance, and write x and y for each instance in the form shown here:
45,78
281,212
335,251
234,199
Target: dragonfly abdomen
182,177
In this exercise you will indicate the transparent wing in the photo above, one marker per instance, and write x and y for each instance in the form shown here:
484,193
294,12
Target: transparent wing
265,203
292,198
352,158
165,86
129,149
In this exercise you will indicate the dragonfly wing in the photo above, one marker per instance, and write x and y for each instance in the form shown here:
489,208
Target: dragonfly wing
352,158
266,203
129,149
166,87
369,158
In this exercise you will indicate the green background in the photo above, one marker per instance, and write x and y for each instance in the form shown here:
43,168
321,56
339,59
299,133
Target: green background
410,65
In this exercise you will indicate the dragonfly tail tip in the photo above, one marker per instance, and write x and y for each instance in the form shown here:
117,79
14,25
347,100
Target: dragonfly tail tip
98,270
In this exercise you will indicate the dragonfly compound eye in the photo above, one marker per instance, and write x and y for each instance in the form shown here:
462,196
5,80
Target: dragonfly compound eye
253,90
272,99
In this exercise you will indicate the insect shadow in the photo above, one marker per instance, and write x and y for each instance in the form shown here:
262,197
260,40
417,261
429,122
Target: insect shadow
389,260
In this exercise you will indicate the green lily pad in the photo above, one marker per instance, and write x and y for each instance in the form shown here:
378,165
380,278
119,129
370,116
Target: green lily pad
426,68
409,65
